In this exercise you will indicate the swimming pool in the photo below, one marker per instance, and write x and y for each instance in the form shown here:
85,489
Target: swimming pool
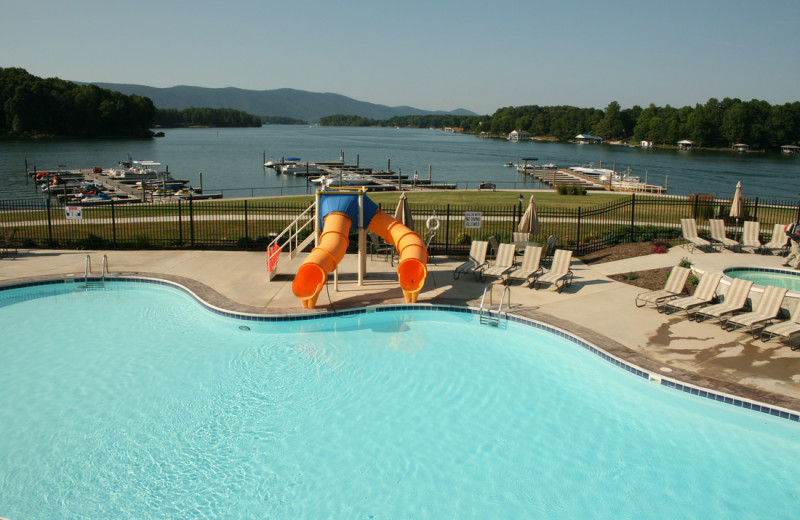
137,402
785,278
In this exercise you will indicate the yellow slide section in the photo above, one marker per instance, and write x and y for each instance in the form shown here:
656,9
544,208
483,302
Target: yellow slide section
411,271
413,266
323,259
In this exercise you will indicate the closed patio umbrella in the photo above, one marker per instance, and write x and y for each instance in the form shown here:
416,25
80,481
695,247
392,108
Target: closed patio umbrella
736,205
529,223
403,212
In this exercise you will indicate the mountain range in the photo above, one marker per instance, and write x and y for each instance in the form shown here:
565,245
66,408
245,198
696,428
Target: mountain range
283,102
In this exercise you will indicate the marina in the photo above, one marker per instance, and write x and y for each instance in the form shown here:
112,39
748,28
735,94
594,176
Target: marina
128,182
229,161
338,174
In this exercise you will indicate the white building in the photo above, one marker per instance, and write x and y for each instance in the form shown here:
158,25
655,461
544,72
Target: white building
519,135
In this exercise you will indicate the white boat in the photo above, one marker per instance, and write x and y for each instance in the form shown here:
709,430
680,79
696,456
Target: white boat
347,180
136,170
531,169
276,165
605,175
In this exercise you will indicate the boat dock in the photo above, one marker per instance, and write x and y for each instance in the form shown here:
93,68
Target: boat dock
73,182
563,176
381,180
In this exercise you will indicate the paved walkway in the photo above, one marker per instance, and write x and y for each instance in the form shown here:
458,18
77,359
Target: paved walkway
595,307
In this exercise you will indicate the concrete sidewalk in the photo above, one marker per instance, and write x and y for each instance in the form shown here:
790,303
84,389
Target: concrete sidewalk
595,307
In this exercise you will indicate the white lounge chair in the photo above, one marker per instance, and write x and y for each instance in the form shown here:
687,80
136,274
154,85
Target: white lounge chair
735,300
767,309
531,265
718,235
560,274
502,264
787,330
689,229
751,236
779,241
704,294
673,288
476,262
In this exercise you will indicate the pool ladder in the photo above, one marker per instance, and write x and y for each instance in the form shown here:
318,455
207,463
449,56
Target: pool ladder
94,283
485,315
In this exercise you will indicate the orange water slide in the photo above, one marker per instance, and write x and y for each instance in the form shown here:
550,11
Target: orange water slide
413,266
323,259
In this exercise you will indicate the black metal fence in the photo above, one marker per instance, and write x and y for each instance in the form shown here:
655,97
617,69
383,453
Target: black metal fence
248,223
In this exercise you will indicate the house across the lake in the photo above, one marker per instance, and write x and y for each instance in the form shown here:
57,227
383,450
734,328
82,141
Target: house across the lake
587,139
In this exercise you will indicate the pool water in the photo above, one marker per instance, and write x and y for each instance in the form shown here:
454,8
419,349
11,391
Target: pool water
761,276
136,402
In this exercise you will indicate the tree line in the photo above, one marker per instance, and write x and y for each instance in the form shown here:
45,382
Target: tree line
33,107
715,124
215,117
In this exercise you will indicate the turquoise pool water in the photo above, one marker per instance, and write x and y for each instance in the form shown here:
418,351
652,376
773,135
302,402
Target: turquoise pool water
762,276
136,402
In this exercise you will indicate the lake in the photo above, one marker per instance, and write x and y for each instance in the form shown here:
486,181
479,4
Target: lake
231,160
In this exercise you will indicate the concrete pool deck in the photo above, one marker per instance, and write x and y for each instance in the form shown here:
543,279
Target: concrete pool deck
596,308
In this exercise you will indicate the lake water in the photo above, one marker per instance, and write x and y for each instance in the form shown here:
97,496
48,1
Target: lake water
231,160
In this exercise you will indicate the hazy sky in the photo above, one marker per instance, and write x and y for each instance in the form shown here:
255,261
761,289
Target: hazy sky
430,54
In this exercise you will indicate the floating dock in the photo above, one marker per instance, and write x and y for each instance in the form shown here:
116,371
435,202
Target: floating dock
559,176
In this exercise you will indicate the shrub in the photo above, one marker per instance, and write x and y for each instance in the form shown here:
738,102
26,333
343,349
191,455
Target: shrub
660,246
92,242
570,189
464,239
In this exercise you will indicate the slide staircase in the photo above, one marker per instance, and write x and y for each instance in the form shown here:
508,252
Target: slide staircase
289,240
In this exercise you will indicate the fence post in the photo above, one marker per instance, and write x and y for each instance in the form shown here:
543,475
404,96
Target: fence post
697,198
49,223
447,231
633,216
113,224
180,223
246,234
755,210
578,233
191,222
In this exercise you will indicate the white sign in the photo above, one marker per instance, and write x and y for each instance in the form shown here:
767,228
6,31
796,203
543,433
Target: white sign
472,219
73,213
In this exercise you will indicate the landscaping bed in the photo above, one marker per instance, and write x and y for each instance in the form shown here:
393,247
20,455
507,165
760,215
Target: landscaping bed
651,279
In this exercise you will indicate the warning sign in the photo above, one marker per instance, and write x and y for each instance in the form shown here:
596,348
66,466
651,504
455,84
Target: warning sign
73,213
472,219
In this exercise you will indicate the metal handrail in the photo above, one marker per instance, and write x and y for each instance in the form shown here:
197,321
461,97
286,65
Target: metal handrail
488,318
87,270
293,230
105,267
502,299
